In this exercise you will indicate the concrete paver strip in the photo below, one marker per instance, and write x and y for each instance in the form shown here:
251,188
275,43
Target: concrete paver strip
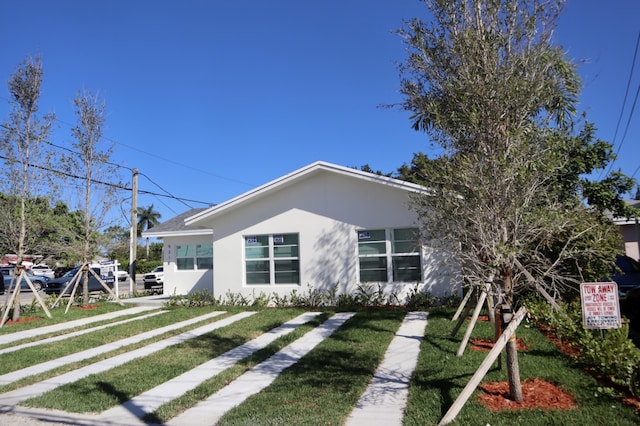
79,356
148,402
31,391
39,331
77,333
209,411
385,398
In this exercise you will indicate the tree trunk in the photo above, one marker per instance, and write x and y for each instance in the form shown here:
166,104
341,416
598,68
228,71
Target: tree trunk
513,369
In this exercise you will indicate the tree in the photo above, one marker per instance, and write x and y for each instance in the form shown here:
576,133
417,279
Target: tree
147,219
52,227
115,243
485,82
24,150
92,163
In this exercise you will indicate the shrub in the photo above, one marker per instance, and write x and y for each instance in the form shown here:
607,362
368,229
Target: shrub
610,354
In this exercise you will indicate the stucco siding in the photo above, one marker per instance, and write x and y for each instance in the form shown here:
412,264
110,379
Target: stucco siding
326,212
185,281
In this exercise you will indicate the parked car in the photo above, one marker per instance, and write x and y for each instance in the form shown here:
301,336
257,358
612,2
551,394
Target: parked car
57,285
39,282
43,270
154,280
629,275
122,275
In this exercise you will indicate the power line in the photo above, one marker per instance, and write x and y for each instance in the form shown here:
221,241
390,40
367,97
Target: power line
171,195
156,156
624,102
626,92
117,186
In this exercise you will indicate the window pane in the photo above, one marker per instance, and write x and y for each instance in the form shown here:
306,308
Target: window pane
287,271
184,263
375,235
405,241
287,239
204,262
372,248
204,250
256,252
258,272
373,269
406,268
405,247
409,234
285,251
185,251
257,240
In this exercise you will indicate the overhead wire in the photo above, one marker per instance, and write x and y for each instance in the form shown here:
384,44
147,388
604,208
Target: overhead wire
177,163
168,194
624,102
114,185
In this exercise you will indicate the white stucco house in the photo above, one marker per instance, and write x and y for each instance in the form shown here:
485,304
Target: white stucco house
630,230
316,227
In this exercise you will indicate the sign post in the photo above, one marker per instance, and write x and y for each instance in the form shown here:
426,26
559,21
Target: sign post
600,305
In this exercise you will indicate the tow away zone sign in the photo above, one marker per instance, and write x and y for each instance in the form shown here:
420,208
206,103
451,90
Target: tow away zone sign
600,305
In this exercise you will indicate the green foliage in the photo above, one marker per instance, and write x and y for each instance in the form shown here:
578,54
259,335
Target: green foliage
143,266
610,354
148,217
419,298
486,83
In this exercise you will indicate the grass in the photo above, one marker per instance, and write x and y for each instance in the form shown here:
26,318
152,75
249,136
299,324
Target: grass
323,387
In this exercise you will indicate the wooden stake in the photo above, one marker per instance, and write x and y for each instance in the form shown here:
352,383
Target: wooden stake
466,393
474,319
463,303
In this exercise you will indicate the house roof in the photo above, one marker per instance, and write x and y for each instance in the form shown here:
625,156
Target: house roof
627,220
176,226
294,177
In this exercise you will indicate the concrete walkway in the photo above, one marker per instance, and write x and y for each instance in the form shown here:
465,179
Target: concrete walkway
383,402
385,399
5,379
78,333
37,389
39,331
209,411
131,411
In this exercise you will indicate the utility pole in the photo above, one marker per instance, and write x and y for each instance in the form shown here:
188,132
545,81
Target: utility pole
134,231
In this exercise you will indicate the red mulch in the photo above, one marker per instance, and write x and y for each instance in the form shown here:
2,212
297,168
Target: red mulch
21,320
86,307
487,345
536,393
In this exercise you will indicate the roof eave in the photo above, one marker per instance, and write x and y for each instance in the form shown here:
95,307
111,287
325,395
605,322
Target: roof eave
297,174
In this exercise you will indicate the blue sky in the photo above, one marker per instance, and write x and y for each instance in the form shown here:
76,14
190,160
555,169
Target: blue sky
209,99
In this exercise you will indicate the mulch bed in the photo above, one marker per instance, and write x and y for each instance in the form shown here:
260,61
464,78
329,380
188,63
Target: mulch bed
536,393
21,320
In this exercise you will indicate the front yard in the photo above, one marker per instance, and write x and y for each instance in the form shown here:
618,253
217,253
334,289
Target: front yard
322,388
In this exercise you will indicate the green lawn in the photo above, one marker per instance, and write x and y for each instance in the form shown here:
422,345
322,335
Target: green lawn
323,386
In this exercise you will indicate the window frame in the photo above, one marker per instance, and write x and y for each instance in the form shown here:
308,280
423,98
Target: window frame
195,258
369,250
271,258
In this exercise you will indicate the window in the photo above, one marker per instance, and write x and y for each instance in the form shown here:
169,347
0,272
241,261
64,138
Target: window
194,256
389,255
272,259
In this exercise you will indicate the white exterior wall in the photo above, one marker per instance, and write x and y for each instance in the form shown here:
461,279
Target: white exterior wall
183,282
325,210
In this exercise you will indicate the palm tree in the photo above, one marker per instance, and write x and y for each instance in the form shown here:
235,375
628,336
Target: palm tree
147,219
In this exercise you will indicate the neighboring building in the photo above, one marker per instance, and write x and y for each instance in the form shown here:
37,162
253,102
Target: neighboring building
630,229
319,226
